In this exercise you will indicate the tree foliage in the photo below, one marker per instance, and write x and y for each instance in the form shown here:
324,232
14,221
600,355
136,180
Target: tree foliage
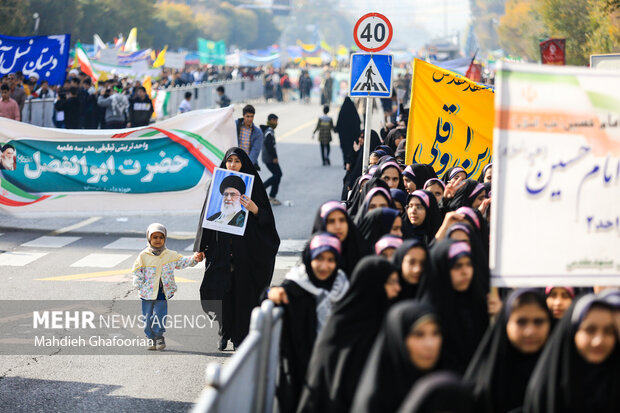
521,29
485,18
176,24
589,27
15,17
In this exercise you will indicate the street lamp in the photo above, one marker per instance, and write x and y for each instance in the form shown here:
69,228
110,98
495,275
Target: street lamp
36,18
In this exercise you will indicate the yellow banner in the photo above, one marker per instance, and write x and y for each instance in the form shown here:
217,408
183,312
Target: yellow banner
450,120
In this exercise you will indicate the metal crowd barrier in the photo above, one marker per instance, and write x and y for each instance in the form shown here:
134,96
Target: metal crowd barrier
204,95
247,383
40,112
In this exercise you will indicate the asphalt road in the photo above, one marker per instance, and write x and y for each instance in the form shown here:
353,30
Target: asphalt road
90,259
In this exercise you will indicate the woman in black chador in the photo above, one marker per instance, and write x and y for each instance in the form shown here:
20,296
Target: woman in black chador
342,348
579,369
454,290
407,348
238,268
507,355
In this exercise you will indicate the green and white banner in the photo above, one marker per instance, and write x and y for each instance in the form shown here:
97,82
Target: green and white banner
162,167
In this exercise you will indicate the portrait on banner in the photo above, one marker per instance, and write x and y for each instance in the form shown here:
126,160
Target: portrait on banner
224,211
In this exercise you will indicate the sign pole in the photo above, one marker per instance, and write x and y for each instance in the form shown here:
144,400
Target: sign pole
366,137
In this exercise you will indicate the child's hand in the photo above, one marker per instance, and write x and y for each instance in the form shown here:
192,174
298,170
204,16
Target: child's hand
199,256
277,295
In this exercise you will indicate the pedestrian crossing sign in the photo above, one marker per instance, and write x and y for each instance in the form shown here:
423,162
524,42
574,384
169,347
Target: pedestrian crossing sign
371,75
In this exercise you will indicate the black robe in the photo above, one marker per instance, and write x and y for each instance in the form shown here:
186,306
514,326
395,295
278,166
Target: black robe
389,373
408,290
383,165
345,342
238,268
299,332
446,175
463,197
348,128
432,220
464,315
422,174
563,381
356,160
480,256
358,197
376,224
353,247
439,392
498,370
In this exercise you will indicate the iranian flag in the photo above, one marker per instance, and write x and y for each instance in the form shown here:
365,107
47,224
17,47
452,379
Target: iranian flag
85,65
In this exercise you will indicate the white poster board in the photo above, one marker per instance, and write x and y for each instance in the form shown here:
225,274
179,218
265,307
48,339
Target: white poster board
605,61
175,60
556,177
224,211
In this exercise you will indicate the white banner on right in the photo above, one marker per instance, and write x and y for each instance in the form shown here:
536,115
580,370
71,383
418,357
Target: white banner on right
555,217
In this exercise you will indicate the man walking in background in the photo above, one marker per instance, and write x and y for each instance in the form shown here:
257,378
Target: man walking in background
223,100
185,106
249,136
270,158
140,109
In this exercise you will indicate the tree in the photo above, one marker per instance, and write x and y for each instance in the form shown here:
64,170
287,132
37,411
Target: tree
57,17
269,33
585,26
213,26
179,26
485,18
244,23
521,29
16,18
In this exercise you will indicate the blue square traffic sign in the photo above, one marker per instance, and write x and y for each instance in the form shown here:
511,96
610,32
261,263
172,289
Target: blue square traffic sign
371,75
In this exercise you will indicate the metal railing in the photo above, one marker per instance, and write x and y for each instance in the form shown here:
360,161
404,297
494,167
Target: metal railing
204,95
247,383
40,112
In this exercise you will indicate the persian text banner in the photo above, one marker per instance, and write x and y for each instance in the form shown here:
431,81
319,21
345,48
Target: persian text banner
556,177
47,56
450,120
160,167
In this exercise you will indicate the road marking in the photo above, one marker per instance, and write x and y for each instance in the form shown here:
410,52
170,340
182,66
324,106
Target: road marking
50,242
101,260
75,226
73,277
182,235
127,243
105,276
295,130
286,263
292,245
190,247
19,259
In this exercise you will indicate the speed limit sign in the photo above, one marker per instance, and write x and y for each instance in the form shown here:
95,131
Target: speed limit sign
372,32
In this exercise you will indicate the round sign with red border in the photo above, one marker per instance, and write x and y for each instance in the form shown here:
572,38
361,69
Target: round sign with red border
372,32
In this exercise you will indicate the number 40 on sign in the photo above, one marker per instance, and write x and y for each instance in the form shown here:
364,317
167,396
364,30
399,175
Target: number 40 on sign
373,32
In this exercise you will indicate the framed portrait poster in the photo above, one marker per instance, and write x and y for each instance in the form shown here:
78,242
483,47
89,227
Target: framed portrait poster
224,211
